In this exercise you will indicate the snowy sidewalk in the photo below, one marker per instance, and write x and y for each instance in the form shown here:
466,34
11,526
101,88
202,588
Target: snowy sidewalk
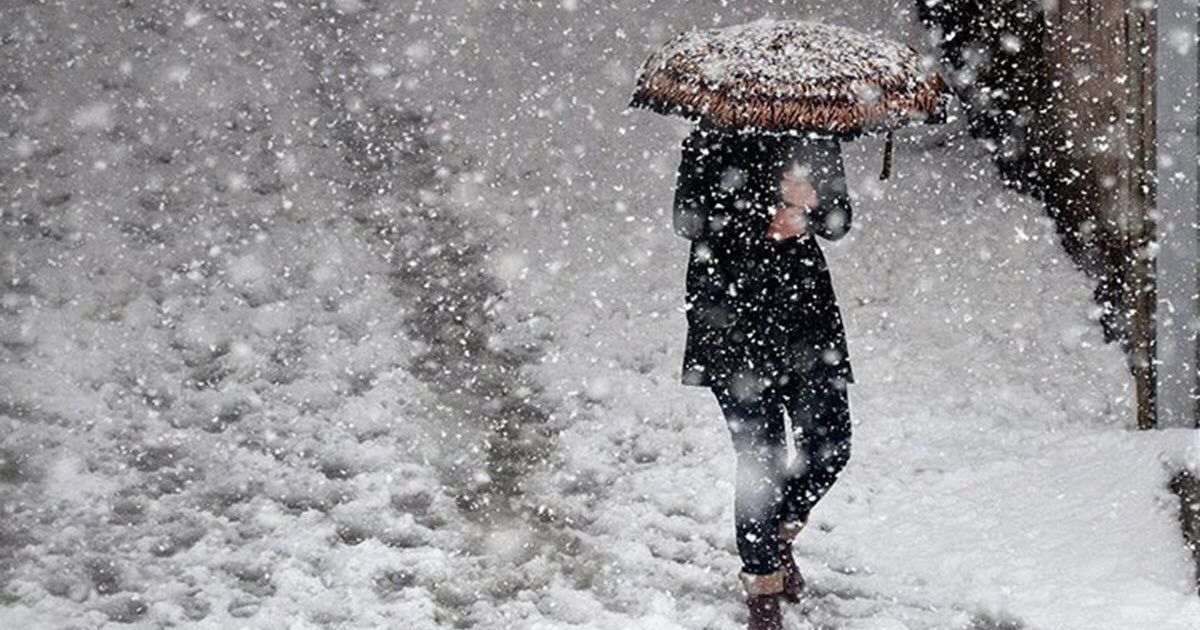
994,482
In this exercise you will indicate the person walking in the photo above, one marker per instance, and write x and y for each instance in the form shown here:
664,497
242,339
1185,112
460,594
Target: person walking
765,333
761,178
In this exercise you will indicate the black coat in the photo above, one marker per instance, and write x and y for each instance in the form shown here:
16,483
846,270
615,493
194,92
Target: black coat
760,312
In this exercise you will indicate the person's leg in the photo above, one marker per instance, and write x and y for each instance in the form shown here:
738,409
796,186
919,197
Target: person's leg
757,428
820,411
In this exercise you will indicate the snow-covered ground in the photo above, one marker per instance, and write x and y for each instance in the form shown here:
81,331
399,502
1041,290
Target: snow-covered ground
225,404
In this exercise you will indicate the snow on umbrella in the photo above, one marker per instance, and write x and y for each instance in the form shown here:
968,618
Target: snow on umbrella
792,76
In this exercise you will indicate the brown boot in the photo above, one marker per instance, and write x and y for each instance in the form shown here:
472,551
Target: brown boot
793,582
762,599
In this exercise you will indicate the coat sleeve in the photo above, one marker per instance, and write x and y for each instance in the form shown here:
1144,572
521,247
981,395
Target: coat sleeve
692,190
831,218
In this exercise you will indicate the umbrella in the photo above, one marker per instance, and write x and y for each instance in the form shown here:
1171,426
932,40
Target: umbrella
792,76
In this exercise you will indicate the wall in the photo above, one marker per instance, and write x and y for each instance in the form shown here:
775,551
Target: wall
1064,89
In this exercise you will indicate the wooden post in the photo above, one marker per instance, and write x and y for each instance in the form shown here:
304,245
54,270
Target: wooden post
1139,226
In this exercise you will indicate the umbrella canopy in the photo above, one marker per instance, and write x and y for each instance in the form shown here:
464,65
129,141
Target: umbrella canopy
791,75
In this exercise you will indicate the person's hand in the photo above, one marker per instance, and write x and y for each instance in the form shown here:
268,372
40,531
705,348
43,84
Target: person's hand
789,222
791,219
797,190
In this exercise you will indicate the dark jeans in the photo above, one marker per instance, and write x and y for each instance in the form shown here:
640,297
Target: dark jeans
769,491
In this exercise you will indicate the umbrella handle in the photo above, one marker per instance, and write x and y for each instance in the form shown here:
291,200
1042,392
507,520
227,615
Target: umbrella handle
886,172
